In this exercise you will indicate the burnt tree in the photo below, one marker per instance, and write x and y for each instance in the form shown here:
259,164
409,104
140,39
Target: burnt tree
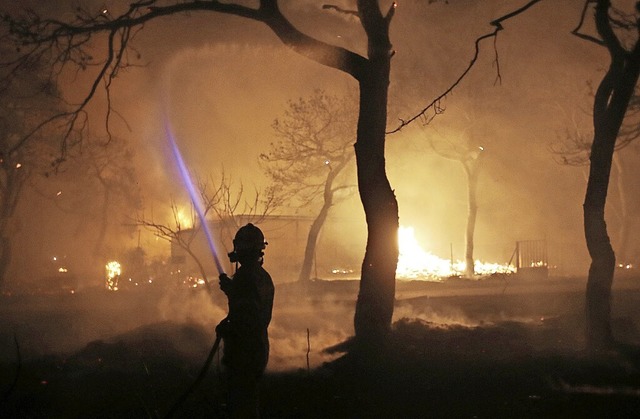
611,102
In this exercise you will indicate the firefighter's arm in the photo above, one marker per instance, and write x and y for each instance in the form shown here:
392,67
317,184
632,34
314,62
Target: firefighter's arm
225,283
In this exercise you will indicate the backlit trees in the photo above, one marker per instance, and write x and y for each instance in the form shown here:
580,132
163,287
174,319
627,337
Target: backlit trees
27,97
315,146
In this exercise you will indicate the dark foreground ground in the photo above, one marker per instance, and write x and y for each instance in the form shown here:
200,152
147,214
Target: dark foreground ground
490,349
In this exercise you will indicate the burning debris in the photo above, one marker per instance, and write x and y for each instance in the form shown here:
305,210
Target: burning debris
114,270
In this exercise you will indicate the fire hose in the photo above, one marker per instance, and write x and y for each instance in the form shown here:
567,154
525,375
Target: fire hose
198,380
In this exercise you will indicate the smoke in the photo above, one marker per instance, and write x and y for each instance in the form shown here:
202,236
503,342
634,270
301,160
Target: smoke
190,307
305,323
448,316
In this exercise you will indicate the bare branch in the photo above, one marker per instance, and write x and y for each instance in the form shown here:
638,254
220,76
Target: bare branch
578,28
64,44
316,143
434,106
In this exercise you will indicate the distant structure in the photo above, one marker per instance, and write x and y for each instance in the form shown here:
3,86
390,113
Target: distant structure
532,259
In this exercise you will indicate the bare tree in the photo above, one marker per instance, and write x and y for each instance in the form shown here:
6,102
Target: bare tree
316,145
108,170
573,148
612,99
177,233
469,154
220,201
67,43
25,98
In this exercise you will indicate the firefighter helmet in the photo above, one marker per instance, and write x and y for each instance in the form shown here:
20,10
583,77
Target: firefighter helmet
249,237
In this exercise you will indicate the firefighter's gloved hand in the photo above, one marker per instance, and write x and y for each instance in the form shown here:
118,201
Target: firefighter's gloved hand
225,283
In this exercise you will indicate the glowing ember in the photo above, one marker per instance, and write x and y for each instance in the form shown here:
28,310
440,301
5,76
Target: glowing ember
114,269
416,263
194,282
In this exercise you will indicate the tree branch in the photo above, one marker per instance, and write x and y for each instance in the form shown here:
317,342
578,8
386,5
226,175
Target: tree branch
434,105
67,43
583,16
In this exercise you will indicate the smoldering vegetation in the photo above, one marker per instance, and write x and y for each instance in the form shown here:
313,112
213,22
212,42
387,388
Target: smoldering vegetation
496,348
512,347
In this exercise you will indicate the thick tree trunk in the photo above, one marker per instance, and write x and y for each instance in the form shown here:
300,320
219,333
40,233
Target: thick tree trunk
601,271
610,105
374,307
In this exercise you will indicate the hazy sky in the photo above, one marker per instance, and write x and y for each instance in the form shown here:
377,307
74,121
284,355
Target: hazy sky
222,80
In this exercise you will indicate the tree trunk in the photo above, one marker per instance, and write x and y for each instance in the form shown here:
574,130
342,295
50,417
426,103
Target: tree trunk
312,240
12,189
374,307
610,104
5,258
314,231
472,185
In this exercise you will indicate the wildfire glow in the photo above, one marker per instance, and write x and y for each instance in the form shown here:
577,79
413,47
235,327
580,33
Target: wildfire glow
114,269
416,263
183,219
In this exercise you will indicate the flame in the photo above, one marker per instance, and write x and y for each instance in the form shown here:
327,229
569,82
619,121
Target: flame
416,263
114,269
184,220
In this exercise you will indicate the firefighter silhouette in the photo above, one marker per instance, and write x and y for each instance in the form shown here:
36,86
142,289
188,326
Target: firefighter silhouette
250,294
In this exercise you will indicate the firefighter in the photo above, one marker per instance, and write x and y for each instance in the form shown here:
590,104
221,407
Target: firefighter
250,295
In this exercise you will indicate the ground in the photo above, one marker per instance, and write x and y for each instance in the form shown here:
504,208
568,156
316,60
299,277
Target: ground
503,347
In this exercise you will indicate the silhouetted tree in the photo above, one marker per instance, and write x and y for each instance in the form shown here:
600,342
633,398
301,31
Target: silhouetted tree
611,102
469,154
68,42
220,201
316,145
573,148
26,97
107,170
181,231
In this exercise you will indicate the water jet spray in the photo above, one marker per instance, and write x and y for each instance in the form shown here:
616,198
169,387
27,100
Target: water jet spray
196,199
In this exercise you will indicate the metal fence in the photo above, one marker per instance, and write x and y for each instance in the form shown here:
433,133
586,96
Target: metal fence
532,258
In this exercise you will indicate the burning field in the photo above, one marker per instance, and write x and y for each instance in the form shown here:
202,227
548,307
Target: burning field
500,347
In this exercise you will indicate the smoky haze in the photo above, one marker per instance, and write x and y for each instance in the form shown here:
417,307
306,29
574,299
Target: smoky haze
220,82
